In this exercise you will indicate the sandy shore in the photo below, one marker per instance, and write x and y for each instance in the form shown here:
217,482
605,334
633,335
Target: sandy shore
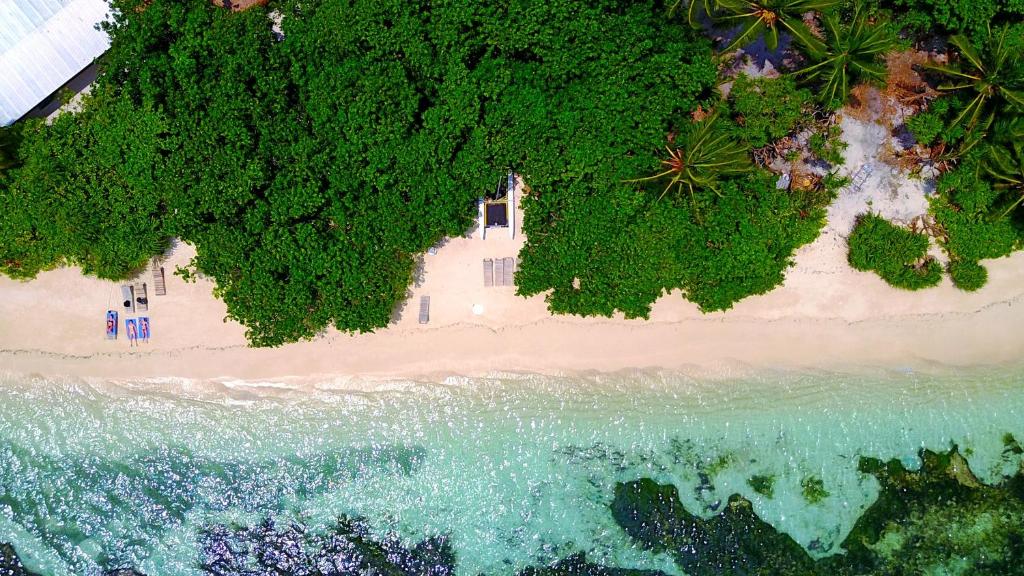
826,316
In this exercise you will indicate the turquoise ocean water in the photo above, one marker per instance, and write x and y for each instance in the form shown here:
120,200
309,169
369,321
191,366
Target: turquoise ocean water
513,471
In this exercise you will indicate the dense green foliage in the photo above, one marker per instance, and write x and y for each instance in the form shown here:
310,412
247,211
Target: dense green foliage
964,208
300,203
625,254
9,142
971,17
968,275
600,241
894,253
932,125
309,172
88,191
767,109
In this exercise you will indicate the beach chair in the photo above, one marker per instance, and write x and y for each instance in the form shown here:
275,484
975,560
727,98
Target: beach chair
510,267
111,325
144,328
488,272
499,272
424,309
159,282
128,299
131,330
141,297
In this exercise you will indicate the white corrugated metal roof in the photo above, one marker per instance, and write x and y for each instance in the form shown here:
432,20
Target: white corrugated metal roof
43,44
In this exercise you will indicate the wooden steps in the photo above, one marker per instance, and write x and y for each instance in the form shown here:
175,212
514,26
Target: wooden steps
159,282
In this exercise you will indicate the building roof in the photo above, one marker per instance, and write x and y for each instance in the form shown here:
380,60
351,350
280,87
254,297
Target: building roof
43,44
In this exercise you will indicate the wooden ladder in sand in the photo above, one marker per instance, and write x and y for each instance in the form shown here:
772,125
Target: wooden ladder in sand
159,283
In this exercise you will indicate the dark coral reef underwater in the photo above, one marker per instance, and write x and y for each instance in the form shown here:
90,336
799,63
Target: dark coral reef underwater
939,519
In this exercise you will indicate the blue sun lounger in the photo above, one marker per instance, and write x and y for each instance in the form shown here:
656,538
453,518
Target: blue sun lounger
111,325
144,329
131,330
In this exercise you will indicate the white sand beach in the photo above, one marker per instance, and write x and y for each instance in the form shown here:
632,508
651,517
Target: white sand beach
825,316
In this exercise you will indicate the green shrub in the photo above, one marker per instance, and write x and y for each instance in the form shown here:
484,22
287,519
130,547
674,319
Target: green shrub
767,109
963,208
926,126
308,210
828,146
893,253
951,16
744,242
622,250
968,275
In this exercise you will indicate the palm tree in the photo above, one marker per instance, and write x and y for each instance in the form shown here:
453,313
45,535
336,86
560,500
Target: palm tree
850,53
1006,166
767,18
994,75
704,155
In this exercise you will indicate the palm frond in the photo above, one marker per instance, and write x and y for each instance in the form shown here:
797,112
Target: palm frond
849,52
705,154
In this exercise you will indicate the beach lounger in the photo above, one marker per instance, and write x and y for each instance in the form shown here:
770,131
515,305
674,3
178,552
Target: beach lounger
510,267
141,297
159,282
424,309
111,325
128,299
144,329
488,272
499,272
131,330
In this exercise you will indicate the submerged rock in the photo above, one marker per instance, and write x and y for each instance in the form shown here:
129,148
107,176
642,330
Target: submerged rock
577,565
348,549
10,564
938,520
733,542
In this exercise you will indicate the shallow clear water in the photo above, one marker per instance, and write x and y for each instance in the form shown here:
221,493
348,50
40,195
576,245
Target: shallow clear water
517,470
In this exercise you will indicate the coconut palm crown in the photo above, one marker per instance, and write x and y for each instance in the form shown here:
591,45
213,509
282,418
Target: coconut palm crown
704,154
994,75
762,18
1004,162
850,53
